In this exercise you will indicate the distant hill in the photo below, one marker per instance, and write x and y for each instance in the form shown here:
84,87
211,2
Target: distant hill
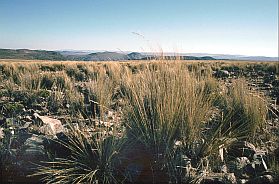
72,53
180,57
30,54
198,58
84,56
76,55
232,57
253,58
105,56
135,56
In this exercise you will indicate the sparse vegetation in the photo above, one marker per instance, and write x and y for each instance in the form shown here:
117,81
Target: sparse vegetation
160,121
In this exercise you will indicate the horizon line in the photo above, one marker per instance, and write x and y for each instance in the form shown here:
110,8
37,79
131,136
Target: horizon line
126,51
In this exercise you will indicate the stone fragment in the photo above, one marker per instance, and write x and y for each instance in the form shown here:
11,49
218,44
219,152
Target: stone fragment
49,126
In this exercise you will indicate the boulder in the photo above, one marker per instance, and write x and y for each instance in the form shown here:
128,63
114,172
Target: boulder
23,135
49,126
34,149
31,153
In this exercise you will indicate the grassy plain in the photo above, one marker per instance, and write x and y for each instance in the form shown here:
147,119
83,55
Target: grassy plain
140,121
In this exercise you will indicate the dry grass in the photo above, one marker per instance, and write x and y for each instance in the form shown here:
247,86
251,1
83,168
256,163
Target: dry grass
166,106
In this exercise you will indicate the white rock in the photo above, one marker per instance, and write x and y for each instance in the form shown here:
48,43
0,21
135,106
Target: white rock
50,126
1,133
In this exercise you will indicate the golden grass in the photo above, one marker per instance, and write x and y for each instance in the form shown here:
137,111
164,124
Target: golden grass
161,103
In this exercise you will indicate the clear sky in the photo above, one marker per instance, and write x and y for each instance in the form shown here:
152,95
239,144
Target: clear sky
245,27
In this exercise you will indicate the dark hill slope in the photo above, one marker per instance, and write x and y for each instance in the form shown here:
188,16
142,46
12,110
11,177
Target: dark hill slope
26,54
30,54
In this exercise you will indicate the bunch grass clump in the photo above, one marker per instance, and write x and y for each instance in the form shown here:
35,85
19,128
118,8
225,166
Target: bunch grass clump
94,159
246,111
243,116
166,104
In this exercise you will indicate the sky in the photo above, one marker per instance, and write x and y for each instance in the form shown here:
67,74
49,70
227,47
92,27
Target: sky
242,27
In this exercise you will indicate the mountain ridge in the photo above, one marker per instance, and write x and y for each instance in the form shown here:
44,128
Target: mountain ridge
79,55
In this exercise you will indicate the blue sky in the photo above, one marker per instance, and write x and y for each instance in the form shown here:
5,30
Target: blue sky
245,27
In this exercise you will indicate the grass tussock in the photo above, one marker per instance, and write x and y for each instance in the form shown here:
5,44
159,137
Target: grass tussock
94,159
165,105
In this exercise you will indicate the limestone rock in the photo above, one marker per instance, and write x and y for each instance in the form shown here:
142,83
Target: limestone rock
50,126
1,133
34,149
